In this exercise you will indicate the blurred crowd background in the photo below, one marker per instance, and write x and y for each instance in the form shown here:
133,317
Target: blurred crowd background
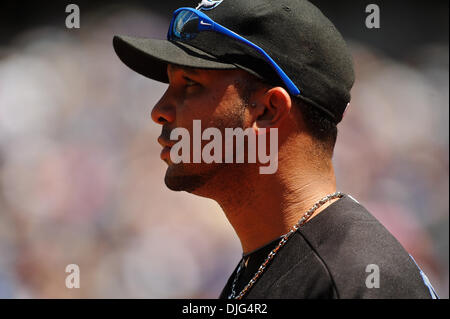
81,181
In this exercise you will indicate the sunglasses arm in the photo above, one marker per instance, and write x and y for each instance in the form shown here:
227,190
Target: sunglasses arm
290,85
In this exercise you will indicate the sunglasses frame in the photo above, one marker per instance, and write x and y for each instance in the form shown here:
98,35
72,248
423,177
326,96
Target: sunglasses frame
205,23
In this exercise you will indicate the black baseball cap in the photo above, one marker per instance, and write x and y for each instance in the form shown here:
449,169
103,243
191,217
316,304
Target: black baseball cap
295,34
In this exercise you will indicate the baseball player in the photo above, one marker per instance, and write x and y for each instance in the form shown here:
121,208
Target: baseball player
272,66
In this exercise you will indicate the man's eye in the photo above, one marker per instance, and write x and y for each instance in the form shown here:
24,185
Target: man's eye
189,82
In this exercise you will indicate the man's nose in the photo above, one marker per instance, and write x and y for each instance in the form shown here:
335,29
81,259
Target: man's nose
164,111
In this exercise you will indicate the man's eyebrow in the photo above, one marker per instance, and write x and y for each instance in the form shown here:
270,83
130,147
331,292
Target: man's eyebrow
172,68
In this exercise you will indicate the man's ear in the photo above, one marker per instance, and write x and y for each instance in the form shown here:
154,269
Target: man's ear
272,108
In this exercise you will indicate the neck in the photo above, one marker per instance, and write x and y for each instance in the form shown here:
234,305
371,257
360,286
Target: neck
271,205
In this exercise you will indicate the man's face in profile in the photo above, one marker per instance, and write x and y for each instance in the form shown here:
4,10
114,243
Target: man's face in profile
212,96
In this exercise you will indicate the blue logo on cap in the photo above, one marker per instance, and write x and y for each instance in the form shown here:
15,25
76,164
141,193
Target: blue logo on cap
208,4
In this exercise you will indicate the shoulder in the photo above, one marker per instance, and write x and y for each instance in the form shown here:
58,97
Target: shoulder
363,259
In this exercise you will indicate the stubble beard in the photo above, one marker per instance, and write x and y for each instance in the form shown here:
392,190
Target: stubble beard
177,181
192,177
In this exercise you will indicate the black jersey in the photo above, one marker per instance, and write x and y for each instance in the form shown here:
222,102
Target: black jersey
343,252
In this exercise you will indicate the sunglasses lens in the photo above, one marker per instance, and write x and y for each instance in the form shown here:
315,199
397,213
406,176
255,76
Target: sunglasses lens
185,25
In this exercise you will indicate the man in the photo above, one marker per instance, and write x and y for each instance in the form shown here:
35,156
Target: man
278,69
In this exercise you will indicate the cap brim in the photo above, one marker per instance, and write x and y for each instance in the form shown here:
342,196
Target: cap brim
150,57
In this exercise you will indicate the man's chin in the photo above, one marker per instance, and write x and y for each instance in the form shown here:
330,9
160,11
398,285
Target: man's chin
178,179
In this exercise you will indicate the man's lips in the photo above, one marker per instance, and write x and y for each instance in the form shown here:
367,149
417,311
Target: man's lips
167,145
164,142
165,153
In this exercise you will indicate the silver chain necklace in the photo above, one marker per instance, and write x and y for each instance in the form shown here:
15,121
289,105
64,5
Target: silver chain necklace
282,242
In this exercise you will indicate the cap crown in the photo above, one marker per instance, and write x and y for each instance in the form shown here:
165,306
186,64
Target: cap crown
296,34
